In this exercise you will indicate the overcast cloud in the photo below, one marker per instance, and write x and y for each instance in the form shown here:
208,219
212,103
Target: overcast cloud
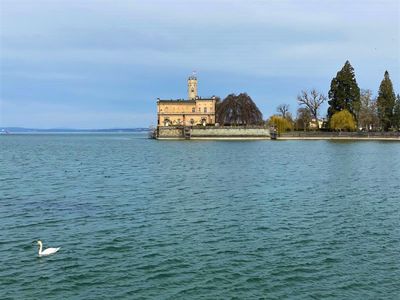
98,64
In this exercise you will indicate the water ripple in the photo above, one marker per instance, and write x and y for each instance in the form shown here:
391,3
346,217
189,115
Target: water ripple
142,219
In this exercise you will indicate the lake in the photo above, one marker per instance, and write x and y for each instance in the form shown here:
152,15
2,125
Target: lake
145,219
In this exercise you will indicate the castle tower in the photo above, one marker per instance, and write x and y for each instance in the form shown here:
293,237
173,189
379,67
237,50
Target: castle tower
192,87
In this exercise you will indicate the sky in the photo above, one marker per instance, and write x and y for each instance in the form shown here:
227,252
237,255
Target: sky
103,64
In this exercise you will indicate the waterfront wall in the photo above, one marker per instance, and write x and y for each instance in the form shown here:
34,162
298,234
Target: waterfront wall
170,132
229,132
339,135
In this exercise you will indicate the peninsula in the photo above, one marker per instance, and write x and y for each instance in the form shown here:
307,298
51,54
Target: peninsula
195,118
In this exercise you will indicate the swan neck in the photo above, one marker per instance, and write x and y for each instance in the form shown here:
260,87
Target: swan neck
40,248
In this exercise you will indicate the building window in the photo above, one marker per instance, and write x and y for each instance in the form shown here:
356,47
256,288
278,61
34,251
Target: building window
199,109
205,109
193,109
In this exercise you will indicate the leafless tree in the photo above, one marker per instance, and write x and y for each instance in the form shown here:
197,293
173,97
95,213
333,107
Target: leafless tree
367,115
283,109
312,101
238,110
303,118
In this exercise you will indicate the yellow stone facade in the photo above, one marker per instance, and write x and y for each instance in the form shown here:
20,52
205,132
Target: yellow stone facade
192,112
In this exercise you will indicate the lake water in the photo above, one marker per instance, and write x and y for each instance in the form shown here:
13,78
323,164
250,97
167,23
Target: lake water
145,219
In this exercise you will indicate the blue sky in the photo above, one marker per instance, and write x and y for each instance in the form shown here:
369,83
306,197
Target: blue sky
102,64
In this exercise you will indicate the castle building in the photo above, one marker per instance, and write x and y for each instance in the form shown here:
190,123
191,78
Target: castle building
193,111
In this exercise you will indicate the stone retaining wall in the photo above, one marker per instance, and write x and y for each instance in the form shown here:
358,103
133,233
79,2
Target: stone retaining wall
170,132
230,132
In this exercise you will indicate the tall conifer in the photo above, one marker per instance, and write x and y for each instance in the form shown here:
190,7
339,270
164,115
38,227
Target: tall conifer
396,113
386,102
344,92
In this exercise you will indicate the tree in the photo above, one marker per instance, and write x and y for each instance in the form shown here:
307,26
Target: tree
283,109
344,92
343,120
303,118
386,102
238,110
367,115
280,123
312,101
396,113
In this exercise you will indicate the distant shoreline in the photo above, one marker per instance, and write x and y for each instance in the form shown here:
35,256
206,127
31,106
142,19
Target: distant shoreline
22,130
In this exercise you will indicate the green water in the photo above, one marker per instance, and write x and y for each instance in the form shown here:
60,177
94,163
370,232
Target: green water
145,219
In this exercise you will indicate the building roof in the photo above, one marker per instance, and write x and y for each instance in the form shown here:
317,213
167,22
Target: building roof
184,101
177,101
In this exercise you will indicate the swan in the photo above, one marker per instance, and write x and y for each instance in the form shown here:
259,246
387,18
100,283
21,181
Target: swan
47,251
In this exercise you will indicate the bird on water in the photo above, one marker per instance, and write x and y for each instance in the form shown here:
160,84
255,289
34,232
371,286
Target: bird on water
47,251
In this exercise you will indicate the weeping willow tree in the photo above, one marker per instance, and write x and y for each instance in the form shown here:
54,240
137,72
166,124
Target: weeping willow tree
343,120
238,110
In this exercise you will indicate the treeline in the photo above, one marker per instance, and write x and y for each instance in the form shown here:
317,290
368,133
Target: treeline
350,108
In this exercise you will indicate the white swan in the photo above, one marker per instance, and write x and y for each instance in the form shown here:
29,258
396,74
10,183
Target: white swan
47,251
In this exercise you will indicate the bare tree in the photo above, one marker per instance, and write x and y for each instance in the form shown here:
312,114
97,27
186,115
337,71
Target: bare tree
312,101
238,110
303,118
283,109
367,115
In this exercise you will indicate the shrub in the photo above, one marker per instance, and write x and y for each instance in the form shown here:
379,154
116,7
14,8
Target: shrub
343,120
280,123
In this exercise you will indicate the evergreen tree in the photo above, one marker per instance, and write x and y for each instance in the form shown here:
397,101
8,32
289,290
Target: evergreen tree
386,102
396,113
344,92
